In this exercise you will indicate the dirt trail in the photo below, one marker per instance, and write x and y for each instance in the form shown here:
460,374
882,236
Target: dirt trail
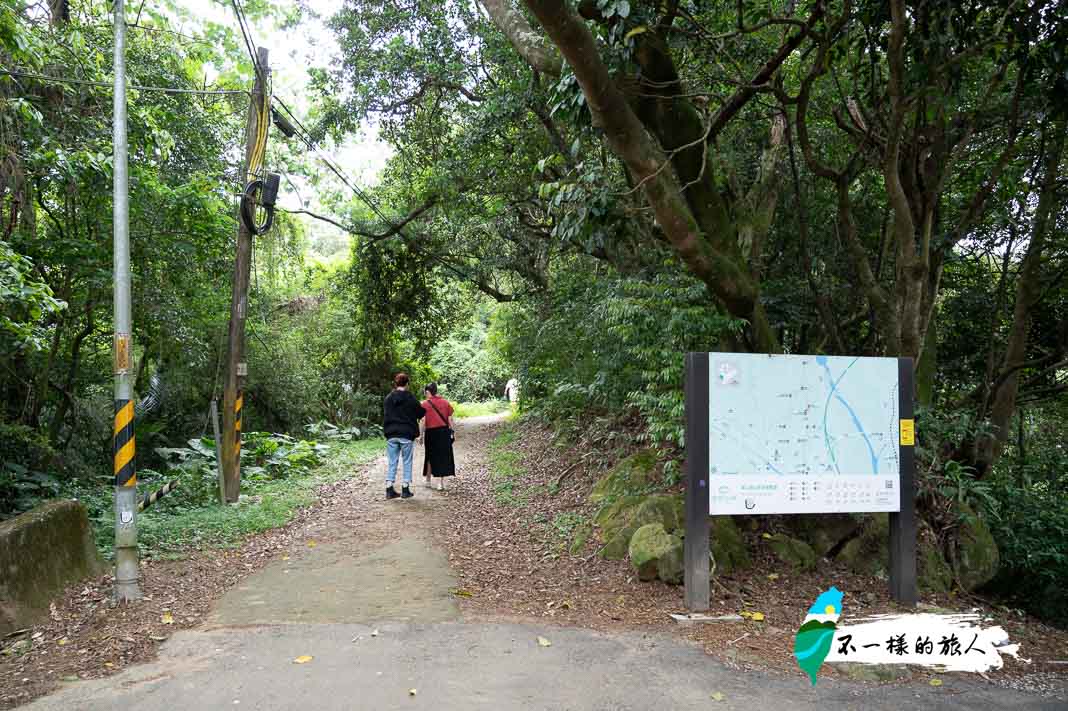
368,599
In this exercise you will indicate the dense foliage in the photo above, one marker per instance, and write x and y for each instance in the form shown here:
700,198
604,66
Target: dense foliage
578,193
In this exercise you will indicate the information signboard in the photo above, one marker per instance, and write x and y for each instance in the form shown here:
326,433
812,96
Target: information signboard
792,434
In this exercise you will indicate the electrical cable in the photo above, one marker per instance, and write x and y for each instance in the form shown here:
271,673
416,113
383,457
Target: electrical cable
257,179
109,85
303,134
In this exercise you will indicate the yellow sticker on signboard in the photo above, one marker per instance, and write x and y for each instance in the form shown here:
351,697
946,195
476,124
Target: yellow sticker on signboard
908,433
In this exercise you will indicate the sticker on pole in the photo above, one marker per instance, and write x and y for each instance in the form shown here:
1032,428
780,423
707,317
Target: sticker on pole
908,433
122,353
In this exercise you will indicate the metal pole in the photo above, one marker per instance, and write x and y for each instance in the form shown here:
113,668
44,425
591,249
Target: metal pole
903,581
218,451
696,545
123,446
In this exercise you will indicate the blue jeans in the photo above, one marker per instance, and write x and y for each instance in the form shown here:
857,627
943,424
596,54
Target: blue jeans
398,447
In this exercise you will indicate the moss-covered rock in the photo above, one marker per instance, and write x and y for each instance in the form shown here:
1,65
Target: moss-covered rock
975,556
792,551
825,531
869,552
625,516
728,546
933,573
663,508
41,552
669,566
614,514
579,538
647,545
636,511
631,475
616,547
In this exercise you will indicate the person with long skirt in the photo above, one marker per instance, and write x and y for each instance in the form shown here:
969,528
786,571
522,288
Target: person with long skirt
437,437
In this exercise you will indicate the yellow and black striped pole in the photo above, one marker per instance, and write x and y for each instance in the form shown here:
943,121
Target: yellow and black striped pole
237,429
155,496
127,572
123,444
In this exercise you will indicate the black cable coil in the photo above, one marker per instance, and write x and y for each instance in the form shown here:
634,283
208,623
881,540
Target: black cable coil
248,209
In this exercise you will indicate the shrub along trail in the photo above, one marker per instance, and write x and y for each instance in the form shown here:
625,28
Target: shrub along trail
456,600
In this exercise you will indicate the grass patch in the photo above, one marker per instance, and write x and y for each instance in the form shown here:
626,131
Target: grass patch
506,470
479,409
170,528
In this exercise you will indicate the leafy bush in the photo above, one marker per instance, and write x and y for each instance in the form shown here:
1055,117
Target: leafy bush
1032,536
25,461
610,344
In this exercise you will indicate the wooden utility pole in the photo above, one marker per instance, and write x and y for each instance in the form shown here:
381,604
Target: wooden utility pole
236,369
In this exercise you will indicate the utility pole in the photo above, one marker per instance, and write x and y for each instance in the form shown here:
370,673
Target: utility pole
126,563
236,368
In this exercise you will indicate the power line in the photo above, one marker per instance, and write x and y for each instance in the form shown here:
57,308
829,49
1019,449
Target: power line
250,43
303,133
108,85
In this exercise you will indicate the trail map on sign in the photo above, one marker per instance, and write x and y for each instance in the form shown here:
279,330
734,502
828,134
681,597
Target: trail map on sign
803,434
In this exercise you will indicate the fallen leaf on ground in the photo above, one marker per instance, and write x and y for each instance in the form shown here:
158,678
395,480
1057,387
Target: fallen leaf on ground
167,618
757,617
765,535
935,682
303,659
542,642
312,544
461,592
718,696
63,641
773,576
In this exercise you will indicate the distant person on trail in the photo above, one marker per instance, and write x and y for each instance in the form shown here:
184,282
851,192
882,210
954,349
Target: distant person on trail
400,425
511,390
437,430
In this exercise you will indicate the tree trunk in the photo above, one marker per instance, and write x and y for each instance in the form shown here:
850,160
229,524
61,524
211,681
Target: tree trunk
1028,291
692,214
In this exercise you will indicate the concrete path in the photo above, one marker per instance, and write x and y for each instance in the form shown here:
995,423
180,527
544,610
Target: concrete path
371,605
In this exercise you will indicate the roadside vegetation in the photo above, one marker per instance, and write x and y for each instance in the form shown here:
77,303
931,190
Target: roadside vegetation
577,195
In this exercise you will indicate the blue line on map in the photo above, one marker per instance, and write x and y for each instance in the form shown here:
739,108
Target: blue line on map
822,361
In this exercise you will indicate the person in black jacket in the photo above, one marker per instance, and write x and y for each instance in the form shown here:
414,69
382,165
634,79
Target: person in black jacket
400,425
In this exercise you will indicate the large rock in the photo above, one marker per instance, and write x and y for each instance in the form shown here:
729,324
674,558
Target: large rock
976,556
615,514
670,566
824,531
41,552
933,573
631,475
647,545
628,514
793,551
580,537
728,546
869,552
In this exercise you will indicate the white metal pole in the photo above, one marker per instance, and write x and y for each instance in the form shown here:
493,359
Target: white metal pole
126,562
